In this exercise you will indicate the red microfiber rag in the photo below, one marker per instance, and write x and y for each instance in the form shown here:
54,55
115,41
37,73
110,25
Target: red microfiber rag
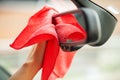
42,27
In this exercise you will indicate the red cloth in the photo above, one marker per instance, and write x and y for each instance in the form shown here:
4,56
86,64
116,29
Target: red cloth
42,27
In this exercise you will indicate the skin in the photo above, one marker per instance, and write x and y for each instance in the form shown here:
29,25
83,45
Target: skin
32,65
34,61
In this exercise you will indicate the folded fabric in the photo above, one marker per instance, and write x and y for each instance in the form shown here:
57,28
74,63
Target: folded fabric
43,27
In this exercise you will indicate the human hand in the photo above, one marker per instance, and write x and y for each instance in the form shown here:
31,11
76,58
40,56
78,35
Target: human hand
32,65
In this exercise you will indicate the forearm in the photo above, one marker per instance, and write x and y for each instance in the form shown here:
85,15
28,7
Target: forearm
26,72
32,65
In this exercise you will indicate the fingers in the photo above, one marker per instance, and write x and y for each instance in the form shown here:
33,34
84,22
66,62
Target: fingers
37,53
